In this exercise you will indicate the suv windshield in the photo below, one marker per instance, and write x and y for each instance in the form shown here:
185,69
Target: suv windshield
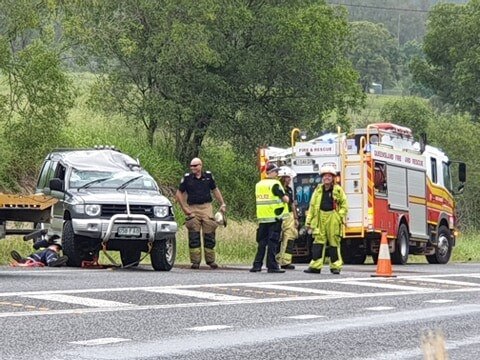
109,180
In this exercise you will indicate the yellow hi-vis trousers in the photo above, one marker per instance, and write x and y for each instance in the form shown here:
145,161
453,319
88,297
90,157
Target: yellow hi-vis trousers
329,232
289,234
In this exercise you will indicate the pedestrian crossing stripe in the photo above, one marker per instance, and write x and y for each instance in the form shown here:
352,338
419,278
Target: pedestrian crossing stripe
93,305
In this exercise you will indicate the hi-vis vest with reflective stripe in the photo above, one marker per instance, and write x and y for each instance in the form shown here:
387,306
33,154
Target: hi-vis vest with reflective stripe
267,203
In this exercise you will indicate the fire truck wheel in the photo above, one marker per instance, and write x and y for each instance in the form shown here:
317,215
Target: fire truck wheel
353,254
444,247
400,255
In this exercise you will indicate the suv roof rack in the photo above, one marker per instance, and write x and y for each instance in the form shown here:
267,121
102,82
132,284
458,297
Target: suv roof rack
96,147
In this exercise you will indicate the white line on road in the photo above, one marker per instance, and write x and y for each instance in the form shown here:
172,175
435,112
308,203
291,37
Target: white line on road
223,303
301,290
198,294
380,308
99,341
184,346
98,303
439,301
448,282
304,317
210,327
381,285
243,284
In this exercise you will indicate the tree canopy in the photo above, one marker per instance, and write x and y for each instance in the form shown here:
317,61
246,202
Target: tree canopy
241,71
374,53
38,93
452,56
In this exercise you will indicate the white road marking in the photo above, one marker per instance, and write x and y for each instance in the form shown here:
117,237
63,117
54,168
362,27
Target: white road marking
198,294
448,282
304,317
185,346
301,290
116,306
380,308
224,303
438,301
243,284
98,303
210,327
99,341
381,285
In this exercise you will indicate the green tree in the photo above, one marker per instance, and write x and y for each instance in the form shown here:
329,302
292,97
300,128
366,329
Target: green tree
412,112
241,71
459,137
404,19
374,53
37,96
452,60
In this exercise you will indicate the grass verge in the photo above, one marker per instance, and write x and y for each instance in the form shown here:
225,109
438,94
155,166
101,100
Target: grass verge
236,246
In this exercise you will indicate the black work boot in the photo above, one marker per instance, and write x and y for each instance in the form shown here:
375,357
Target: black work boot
213,265
335,271
276,271
288,267
62,260
17,257
312,271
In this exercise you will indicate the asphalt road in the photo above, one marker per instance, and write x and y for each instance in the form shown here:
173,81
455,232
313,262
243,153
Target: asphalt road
230,313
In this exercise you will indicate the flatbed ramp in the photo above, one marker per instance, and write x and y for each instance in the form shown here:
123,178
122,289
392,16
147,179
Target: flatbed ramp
24,208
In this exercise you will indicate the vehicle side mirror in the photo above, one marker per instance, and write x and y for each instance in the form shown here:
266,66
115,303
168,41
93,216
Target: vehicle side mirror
462,172
56,184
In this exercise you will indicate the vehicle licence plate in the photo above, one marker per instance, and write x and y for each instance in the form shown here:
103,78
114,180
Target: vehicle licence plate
128,231
303,162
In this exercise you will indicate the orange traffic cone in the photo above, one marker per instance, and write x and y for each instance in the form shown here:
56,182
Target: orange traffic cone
384,265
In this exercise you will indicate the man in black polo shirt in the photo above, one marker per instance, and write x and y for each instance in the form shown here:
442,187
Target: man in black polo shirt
194,195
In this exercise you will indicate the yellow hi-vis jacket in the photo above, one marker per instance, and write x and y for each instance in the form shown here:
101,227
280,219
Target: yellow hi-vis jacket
340,207
267,203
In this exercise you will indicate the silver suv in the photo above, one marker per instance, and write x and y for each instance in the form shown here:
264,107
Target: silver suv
106,200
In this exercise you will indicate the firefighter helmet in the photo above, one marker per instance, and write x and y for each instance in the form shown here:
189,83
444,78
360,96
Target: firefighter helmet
286,171
328,170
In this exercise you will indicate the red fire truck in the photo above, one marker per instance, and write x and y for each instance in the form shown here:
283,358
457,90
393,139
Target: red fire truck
393,184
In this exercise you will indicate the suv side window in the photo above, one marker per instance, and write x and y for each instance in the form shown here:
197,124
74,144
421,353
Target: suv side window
60,172
45,175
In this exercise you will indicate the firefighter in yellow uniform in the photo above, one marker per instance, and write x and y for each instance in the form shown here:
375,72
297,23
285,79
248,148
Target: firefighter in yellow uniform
326,213
271,209
289,222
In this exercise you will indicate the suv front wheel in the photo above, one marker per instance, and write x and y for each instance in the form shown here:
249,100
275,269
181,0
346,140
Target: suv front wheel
163,254
71,248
